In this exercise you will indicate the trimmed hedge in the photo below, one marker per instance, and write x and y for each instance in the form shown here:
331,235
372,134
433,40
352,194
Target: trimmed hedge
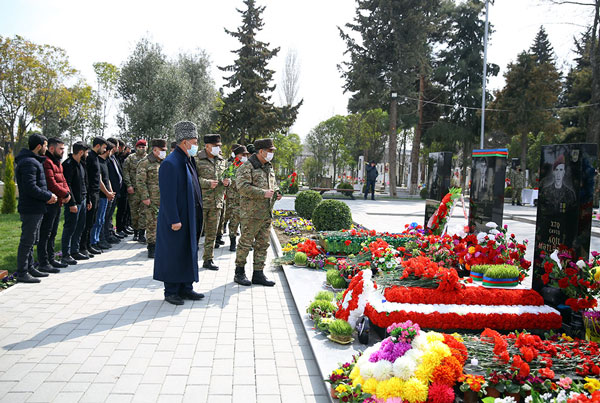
332,215
306,202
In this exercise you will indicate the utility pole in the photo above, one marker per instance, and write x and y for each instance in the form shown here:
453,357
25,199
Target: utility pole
485,43
393,153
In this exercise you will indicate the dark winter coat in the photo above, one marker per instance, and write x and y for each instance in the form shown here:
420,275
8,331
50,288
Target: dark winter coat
372,173
76,177
31,180
92,165
55,180
176,255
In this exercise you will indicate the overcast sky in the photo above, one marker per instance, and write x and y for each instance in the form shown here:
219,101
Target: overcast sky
108,30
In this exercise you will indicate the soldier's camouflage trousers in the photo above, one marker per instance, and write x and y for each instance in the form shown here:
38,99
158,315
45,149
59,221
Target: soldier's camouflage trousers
138,211
151,219
516,195
255,234
211,218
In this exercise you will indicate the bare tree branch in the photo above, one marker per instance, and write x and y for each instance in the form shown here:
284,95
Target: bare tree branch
291,78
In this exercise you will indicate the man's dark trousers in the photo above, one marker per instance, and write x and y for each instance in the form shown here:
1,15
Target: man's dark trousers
90,219
30,234
73,228
370,188
108,219
48,228
122,206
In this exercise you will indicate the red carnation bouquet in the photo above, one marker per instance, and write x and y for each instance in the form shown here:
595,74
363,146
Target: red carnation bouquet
437,222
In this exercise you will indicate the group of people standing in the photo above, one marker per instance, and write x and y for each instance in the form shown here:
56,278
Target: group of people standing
166,201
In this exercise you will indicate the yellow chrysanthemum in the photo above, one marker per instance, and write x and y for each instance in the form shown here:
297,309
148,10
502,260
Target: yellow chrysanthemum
440,349
592,385
341,388
355,373
434,336
358,381
596,273
458,337
414,391
395,386
429,362
370,386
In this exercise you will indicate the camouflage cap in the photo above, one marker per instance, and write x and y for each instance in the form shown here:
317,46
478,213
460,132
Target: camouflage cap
185,130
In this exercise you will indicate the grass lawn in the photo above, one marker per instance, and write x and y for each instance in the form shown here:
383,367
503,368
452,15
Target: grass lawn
10,233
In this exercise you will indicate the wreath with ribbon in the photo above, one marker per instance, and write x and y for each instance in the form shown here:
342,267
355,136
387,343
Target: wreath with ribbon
354,301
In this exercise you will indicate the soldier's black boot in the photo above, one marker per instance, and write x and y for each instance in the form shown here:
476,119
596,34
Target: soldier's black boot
142,236
151,248
232,244
136,234
258,277
220,240
240,277
210,265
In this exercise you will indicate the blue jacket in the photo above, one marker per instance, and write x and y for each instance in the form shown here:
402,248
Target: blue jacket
176,255
31,180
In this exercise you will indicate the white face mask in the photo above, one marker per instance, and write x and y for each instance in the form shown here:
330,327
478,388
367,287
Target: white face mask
232,155
193,151
215,150
244,159
162,154
269,157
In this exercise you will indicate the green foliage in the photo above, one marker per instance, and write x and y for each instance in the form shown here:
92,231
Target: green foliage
339,296
9,198
288,188
321,305
340,328
541,48
328,140
324,295
306,202
367,134
480,268
332,215
334,279
502,271
107,77
289,148
345,185
300,259
248,112
508,192
423,193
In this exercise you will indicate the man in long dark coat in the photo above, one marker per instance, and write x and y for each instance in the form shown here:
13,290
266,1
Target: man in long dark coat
179,218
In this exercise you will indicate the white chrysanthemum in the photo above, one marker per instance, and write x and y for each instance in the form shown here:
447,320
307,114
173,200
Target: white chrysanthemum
366,370
382,370
390,265
491,224
481,237
404,367
420,342
364,358
414,354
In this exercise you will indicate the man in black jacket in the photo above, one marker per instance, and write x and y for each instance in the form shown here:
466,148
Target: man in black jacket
76,209
371,178
116,181
122,205
33,198
98,238
92,166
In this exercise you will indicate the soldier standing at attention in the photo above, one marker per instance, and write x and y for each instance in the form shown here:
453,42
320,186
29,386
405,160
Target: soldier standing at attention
229,173
255,181
517,182
147,186
233,197
135,203
210,167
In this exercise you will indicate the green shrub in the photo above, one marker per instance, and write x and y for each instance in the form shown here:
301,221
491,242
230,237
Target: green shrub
423,193
9,199
339,296
502,271
345,186
334,279
340,327
321,309
324,295
508,192
305,203
332,215
300,259
287,187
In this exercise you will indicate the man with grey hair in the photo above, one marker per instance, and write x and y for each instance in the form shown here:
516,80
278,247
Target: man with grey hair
179,218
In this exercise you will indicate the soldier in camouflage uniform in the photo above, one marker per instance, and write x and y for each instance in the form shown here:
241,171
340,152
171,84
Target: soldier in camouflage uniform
517,181
210,167
147,187
232,214
136,207
255,181
226,209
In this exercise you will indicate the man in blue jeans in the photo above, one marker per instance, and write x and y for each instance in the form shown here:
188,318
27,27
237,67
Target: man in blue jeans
33,198
77,207
106,195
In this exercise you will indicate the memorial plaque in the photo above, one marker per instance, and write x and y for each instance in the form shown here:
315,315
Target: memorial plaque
438,181
487,188
564,213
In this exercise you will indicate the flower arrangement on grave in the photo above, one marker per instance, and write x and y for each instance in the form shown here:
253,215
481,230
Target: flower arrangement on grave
591,320
383,257
293,225
309,247
353,303
439,219
578,279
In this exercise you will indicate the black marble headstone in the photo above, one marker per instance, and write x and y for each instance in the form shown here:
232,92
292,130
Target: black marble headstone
438,181
564,213
486,204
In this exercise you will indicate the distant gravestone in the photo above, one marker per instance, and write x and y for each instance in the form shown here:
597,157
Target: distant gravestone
564,213
488,173
438,181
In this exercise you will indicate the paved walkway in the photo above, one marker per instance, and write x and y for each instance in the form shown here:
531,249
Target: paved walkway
101,332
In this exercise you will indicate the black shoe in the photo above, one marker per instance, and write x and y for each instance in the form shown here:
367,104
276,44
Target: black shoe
26,278
94,250
121,235
142,236
513,203
220,240
174,299
70,259
49,269
113,240
519,204
240,277
129,231
56,264
79,256
36,273
258,277
103,245
151,248
232,244
209,264
191,295
217,245
135,235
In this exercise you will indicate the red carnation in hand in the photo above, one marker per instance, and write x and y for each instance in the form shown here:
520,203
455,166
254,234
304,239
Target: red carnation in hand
563,282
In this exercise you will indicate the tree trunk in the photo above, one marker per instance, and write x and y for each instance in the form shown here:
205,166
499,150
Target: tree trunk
524,136
403,159
393,151
593,132
414,155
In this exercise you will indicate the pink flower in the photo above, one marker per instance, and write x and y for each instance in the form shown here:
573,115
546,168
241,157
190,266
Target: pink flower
565,383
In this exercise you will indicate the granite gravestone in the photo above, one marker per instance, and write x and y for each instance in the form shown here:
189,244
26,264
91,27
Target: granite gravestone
438,181
487,188
564,213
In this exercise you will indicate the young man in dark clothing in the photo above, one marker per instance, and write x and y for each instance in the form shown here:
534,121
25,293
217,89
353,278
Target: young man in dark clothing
57,184
371,178
122,205
93,193
76,209
98,239
116,181
34,197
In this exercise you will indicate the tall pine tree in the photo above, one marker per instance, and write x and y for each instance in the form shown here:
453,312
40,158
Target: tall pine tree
542,48
248,112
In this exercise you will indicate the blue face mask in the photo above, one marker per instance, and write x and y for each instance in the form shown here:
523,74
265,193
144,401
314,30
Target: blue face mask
193,151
